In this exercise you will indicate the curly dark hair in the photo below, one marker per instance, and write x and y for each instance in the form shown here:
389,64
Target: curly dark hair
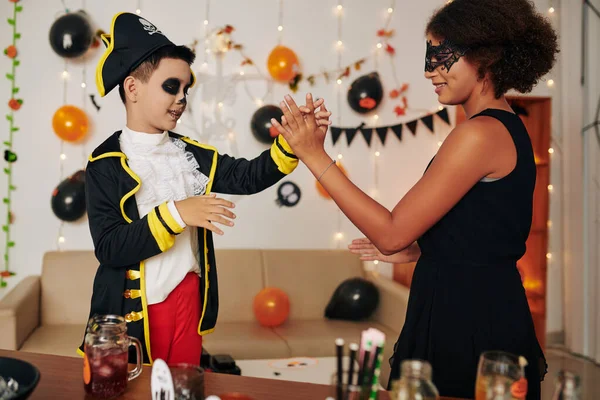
508,39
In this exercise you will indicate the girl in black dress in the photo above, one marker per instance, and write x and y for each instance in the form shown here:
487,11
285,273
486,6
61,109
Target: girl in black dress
468,218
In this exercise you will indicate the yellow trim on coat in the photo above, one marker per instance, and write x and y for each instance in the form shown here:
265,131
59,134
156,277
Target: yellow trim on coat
211,177
168,218
145,310
161,235
284,163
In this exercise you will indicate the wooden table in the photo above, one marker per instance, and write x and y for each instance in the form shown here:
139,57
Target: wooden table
61,378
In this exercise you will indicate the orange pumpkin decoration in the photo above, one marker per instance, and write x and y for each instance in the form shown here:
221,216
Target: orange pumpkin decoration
11,51
15,104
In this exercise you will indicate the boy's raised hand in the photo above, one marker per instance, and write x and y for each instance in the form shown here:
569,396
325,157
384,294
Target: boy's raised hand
321,115
203,211
304,128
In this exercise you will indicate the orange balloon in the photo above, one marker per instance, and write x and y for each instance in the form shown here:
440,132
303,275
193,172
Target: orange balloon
70,123
271,307
320,187
283,64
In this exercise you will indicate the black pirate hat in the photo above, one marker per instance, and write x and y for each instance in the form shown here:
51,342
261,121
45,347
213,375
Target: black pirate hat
132,40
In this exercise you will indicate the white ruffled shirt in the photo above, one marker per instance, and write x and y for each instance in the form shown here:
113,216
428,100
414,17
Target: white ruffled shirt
168,173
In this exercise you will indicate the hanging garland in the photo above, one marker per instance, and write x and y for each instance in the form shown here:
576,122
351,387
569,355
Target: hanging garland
382,131
10,156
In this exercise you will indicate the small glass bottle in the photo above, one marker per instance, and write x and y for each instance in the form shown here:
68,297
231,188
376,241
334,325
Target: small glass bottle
567,386
415,382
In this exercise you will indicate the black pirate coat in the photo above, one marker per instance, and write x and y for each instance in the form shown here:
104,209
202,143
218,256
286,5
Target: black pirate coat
123,240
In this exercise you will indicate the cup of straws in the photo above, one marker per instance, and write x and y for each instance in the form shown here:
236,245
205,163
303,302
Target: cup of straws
359,380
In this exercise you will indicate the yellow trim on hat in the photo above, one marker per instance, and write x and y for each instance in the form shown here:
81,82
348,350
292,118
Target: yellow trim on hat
111,46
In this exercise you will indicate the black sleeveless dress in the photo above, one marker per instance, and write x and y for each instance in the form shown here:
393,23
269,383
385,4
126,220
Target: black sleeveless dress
466,295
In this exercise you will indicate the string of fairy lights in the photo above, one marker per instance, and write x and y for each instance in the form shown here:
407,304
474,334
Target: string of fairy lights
66,77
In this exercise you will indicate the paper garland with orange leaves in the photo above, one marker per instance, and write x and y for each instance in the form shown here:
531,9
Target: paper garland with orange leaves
14,104
382,131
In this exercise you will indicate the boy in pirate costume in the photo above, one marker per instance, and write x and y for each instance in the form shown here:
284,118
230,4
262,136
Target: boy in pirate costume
149,201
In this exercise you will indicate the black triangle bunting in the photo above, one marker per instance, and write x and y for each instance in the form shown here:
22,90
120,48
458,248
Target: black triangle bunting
336,133
397,129
350,133
367,134
412,125
428,121
382,133
443,114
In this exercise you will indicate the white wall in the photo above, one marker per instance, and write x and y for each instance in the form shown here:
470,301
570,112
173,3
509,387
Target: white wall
310,28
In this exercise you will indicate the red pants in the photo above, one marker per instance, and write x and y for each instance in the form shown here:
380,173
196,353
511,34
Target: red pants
173,324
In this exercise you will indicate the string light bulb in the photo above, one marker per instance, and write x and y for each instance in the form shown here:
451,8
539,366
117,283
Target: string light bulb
548,255
61,239
65,74
138,11
551,10
550,188
339,236
339,81
280,28
63,156
379,45
340,156
551,150
377,154
390,10
550,82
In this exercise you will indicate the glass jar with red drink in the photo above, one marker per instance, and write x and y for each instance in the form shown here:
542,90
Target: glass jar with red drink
106,349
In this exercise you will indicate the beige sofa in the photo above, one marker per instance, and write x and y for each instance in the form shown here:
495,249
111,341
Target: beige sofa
47,313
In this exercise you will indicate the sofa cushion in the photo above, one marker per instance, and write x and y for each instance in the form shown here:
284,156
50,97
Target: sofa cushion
240,275
245,341
61,340
309,277
316,338
67,280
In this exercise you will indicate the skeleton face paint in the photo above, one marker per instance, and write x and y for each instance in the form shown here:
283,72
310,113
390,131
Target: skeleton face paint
445,54
172,85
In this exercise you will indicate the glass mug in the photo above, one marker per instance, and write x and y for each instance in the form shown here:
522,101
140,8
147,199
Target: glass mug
500,375
188,381
106,348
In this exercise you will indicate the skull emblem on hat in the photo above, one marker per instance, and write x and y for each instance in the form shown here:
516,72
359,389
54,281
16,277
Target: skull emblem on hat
149,27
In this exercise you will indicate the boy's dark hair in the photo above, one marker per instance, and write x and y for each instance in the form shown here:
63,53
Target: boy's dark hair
150,64
508,39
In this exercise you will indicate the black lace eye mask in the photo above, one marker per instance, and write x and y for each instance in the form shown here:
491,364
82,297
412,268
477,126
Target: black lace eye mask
445,54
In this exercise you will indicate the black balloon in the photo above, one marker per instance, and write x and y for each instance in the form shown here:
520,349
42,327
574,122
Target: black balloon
68,199
365,93
71,35
354,299
261,126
